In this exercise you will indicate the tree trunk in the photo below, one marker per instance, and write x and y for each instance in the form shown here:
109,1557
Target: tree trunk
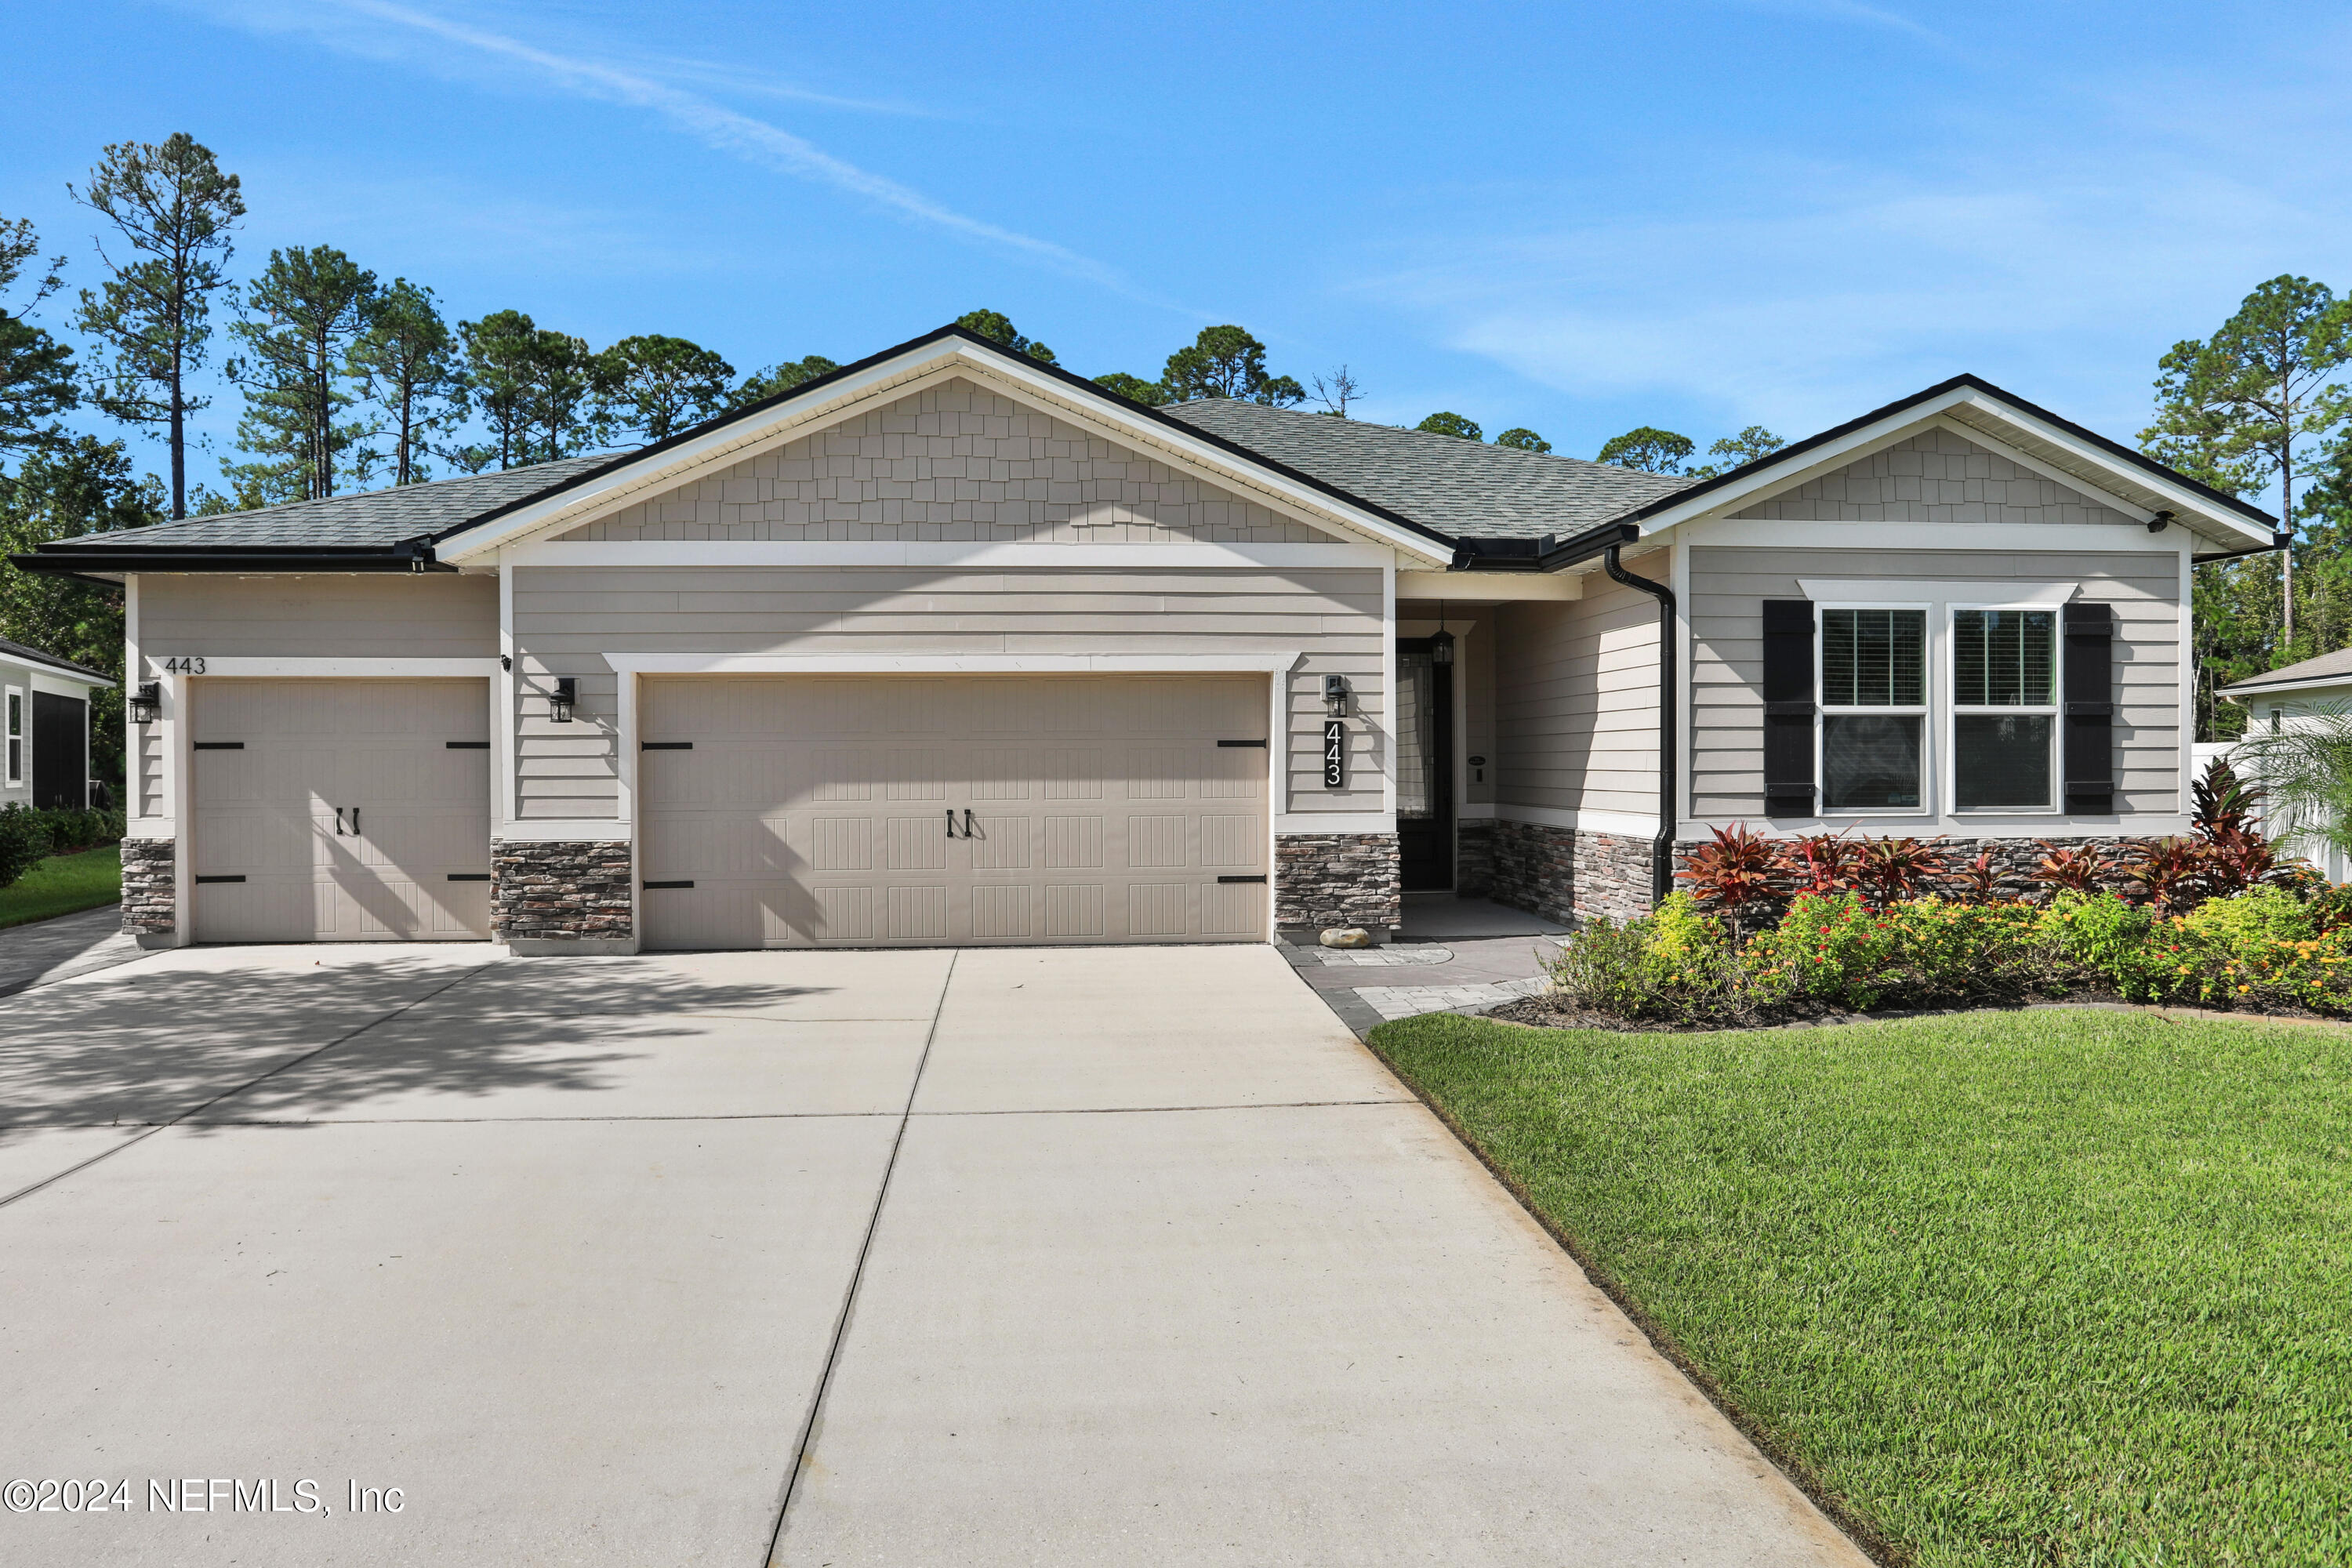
2286,556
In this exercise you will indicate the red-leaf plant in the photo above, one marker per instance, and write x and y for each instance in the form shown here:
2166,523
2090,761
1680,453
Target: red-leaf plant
2078,870
1981,882
1738,872
1821,862
2171,873
1892,869
2237,854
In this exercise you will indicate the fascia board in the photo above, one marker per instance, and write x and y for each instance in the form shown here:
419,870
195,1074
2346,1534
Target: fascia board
2313,683
2184,502
1816,461
900,377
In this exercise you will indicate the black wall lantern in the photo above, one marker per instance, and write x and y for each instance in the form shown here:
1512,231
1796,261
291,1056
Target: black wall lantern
1335,695
145,705
567,693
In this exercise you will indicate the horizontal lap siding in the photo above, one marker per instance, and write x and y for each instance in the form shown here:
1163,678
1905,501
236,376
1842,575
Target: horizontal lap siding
1576,700
566,618
1729,584
427,614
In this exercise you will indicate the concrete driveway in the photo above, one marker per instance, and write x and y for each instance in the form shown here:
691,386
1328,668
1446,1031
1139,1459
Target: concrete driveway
997,1257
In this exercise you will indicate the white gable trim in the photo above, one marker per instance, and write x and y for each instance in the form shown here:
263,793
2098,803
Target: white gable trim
1936,413
904,376
931,553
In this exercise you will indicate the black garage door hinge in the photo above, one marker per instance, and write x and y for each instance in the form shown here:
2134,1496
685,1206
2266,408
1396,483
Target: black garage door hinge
239,878
664,745
687,883
1259,743
467,745
469,875
1256,879
220,745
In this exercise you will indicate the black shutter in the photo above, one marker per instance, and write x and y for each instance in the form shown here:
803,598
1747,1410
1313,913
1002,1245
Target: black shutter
1788,707
2088,759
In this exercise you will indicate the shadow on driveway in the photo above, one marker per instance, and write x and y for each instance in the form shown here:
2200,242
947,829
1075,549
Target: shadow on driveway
158,1043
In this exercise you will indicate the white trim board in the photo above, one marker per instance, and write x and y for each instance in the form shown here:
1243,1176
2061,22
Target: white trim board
1333,822
1880,590
2009,538
953,663
1630,824
886,552
217,667
551,829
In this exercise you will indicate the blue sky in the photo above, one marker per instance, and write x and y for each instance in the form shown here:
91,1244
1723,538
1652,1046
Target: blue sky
1574,217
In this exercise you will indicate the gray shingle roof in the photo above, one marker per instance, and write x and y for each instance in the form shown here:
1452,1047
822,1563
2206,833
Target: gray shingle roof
17,650
1464,489
359,521
2337,665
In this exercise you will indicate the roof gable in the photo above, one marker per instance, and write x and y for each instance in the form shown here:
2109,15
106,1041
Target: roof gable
955,460
1937,476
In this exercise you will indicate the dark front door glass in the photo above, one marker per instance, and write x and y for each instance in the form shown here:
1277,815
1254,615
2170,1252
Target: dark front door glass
1424,769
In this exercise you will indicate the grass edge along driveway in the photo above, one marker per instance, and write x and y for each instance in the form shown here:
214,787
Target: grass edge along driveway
2031,1288
64,885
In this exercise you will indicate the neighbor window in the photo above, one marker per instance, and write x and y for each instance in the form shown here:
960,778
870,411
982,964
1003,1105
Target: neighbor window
16,736
1874,708
2004,709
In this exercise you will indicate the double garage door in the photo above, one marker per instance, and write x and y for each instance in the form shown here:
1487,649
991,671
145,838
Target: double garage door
910,811
774,811
340,810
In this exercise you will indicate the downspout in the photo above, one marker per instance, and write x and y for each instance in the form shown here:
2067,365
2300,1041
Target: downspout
1662,872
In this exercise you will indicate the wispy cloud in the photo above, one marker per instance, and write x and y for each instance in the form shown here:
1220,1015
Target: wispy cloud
1849,11
714,123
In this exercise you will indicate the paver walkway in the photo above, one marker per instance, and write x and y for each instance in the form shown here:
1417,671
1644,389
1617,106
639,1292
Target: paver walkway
52,950
1110,1256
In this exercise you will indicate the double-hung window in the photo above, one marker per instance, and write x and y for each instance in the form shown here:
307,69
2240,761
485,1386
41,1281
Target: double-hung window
16,736
2004,710
1873,702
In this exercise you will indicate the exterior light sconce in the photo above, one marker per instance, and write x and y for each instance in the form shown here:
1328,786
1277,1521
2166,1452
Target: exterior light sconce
1441,647
567,694
1335,695
145,705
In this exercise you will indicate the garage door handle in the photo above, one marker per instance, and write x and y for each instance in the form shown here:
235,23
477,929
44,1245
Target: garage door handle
354,828
969,830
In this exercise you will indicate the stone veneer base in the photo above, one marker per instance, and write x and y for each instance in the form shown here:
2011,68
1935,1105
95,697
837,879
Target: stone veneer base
1572,875
151,894
1323,880
562,896
1473,857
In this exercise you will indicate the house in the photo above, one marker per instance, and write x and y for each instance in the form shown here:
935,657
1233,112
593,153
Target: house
951,647
2275,700
45,727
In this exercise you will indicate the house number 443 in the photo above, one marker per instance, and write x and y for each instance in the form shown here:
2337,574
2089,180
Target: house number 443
184,666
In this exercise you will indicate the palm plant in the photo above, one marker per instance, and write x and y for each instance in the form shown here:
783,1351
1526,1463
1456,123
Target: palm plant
2304,789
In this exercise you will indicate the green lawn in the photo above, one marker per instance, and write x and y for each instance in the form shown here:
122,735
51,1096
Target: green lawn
62,884
2037,1287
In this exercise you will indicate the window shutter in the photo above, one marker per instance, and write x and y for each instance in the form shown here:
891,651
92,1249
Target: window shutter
2088,757
1788,707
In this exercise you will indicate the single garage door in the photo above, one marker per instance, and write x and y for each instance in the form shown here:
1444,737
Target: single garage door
342,810
792,811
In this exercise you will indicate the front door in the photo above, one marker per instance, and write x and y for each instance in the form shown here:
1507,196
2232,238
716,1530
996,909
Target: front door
1424,752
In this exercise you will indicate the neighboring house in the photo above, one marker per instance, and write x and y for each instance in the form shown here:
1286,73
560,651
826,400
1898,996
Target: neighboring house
2274,699
952,646
45,727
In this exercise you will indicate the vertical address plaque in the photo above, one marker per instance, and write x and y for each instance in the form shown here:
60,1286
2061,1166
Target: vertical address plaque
1335,754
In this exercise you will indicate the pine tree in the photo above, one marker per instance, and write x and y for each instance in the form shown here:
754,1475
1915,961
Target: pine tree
499,382
654,387
302,319
172,205
407,362
36,370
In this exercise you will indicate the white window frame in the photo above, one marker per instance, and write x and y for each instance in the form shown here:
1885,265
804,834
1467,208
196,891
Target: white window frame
16,736
1925,712
2054,710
